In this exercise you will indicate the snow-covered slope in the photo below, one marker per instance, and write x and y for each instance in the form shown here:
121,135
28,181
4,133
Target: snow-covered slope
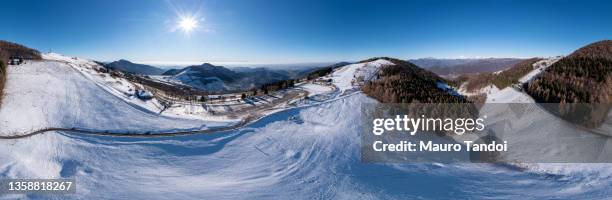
515,95
348,77
62,93
305,153
194,79
508,95
511,94
536,135
489,89
124,90
117,86
538,68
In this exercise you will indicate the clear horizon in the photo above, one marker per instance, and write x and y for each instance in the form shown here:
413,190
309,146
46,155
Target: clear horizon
280,32
171,64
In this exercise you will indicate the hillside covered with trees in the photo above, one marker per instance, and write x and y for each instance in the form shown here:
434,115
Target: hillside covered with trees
581,83
500,80
405,82
585,76
8,49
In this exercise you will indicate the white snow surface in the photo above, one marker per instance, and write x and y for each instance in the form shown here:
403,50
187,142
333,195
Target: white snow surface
538,68
43,94
315,89
346,77
489,89
508,95
304,153
513,95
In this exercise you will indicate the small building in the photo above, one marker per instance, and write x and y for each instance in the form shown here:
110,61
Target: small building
15,60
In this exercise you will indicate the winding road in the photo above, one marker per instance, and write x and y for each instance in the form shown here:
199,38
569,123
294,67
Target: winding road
151,134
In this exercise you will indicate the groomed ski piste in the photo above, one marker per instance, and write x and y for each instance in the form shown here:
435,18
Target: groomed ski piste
511,94
308,151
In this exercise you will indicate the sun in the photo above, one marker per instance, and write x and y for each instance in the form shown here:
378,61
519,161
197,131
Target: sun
187,24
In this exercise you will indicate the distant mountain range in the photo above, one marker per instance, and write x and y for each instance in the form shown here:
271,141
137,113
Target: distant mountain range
445,67
133,68
210,77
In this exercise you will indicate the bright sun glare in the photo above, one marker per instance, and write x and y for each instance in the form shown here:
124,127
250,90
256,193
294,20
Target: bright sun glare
187,24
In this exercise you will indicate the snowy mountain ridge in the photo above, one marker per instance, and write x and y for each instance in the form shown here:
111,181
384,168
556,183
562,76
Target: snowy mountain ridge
134,68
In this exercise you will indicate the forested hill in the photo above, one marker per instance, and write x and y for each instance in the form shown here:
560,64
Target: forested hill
601,49
501,80
405,82
134,68
585,76
8,49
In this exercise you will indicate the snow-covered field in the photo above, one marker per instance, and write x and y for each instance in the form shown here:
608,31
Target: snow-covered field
316,89
510,94
348,77
53,94
490,89
538,68
117,86
308,152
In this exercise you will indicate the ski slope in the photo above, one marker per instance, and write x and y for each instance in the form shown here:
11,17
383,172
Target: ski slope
512,95
48,93
539,67
508,95
302,153
347,77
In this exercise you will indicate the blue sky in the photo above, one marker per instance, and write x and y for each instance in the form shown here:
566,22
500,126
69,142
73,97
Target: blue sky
293,31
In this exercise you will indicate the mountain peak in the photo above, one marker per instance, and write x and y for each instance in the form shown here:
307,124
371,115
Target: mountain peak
208,64
130,67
